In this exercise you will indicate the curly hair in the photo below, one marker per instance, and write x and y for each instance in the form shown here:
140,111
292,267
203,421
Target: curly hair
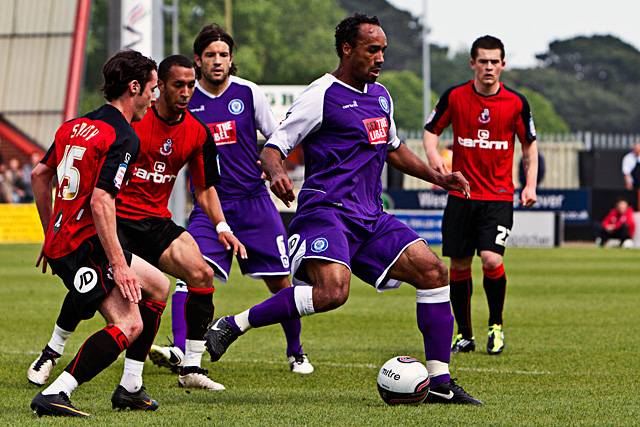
347,29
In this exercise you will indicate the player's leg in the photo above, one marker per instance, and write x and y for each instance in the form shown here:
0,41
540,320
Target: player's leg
329,290
297,358
459,243
124,325
420,267
130,393
461,284
495,287
496,221
320,256
182,259
41,368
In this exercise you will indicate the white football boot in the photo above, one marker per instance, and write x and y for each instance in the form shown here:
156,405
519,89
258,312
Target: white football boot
299,364
196,377
41,368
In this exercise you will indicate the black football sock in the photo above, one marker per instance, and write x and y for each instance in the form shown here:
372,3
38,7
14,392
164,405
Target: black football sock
98,352
495,286
198,310
461,289
151,312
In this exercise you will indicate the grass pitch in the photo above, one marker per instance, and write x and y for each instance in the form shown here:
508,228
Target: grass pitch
572,355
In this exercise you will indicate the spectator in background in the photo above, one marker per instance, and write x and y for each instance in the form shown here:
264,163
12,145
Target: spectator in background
34,159
14,176
631,168
618,224
6,190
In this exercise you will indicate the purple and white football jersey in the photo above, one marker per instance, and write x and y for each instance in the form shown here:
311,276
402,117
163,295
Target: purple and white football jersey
233,117
345,134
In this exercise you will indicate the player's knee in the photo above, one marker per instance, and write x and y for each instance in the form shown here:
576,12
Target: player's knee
132,327
201,277
331,297
435,275
491,262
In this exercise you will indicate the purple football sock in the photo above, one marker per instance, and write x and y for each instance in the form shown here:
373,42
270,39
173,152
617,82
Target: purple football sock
435,321
278,309
292,329
178,322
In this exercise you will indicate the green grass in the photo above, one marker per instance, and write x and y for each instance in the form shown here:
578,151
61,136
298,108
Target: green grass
572,355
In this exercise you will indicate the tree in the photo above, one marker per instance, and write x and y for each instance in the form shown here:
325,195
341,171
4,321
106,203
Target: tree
278,41
544,114
582,105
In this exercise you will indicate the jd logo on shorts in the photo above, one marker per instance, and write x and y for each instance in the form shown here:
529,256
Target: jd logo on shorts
85,280
319,245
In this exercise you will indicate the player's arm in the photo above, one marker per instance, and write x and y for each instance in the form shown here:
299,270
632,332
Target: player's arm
281,184
437,121
528,195
42,183
103,210
210,202
527,135
304,117
430,143
407,162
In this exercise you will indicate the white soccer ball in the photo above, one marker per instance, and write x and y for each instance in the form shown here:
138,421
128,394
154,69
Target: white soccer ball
403,380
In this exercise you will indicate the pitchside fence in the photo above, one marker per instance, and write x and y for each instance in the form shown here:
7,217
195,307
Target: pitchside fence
561,153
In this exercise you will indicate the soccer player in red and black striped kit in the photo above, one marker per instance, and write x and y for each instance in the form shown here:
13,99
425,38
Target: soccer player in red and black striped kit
91,158
485,116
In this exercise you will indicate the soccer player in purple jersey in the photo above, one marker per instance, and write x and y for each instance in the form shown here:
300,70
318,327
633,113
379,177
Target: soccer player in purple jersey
344,122
234,109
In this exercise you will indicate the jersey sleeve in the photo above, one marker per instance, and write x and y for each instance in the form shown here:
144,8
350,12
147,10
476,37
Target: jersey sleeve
393,141
525,127
440,117
265,121
50,158
304,117
120,154
203,165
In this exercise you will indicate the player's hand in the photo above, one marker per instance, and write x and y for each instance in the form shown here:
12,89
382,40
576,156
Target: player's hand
528,197
282,187
231,242
42,259
128,283
457,182
436,162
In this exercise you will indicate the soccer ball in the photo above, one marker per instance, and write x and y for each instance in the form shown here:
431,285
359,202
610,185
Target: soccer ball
403,380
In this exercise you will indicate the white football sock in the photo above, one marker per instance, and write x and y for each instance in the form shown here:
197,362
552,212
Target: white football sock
65,382
132,375
303,296
242,320
58,339
193,350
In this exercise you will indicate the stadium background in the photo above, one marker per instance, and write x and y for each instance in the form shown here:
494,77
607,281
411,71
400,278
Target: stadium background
583,95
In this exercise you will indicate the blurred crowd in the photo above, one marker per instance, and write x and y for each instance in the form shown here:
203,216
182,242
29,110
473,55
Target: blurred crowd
15,180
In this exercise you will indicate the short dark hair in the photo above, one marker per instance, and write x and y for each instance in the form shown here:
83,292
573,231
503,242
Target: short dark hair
486,42
170,61
347,29
209,34
122,68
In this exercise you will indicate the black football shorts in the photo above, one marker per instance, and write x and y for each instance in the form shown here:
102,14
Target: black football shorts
470,226
87,275
148,238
